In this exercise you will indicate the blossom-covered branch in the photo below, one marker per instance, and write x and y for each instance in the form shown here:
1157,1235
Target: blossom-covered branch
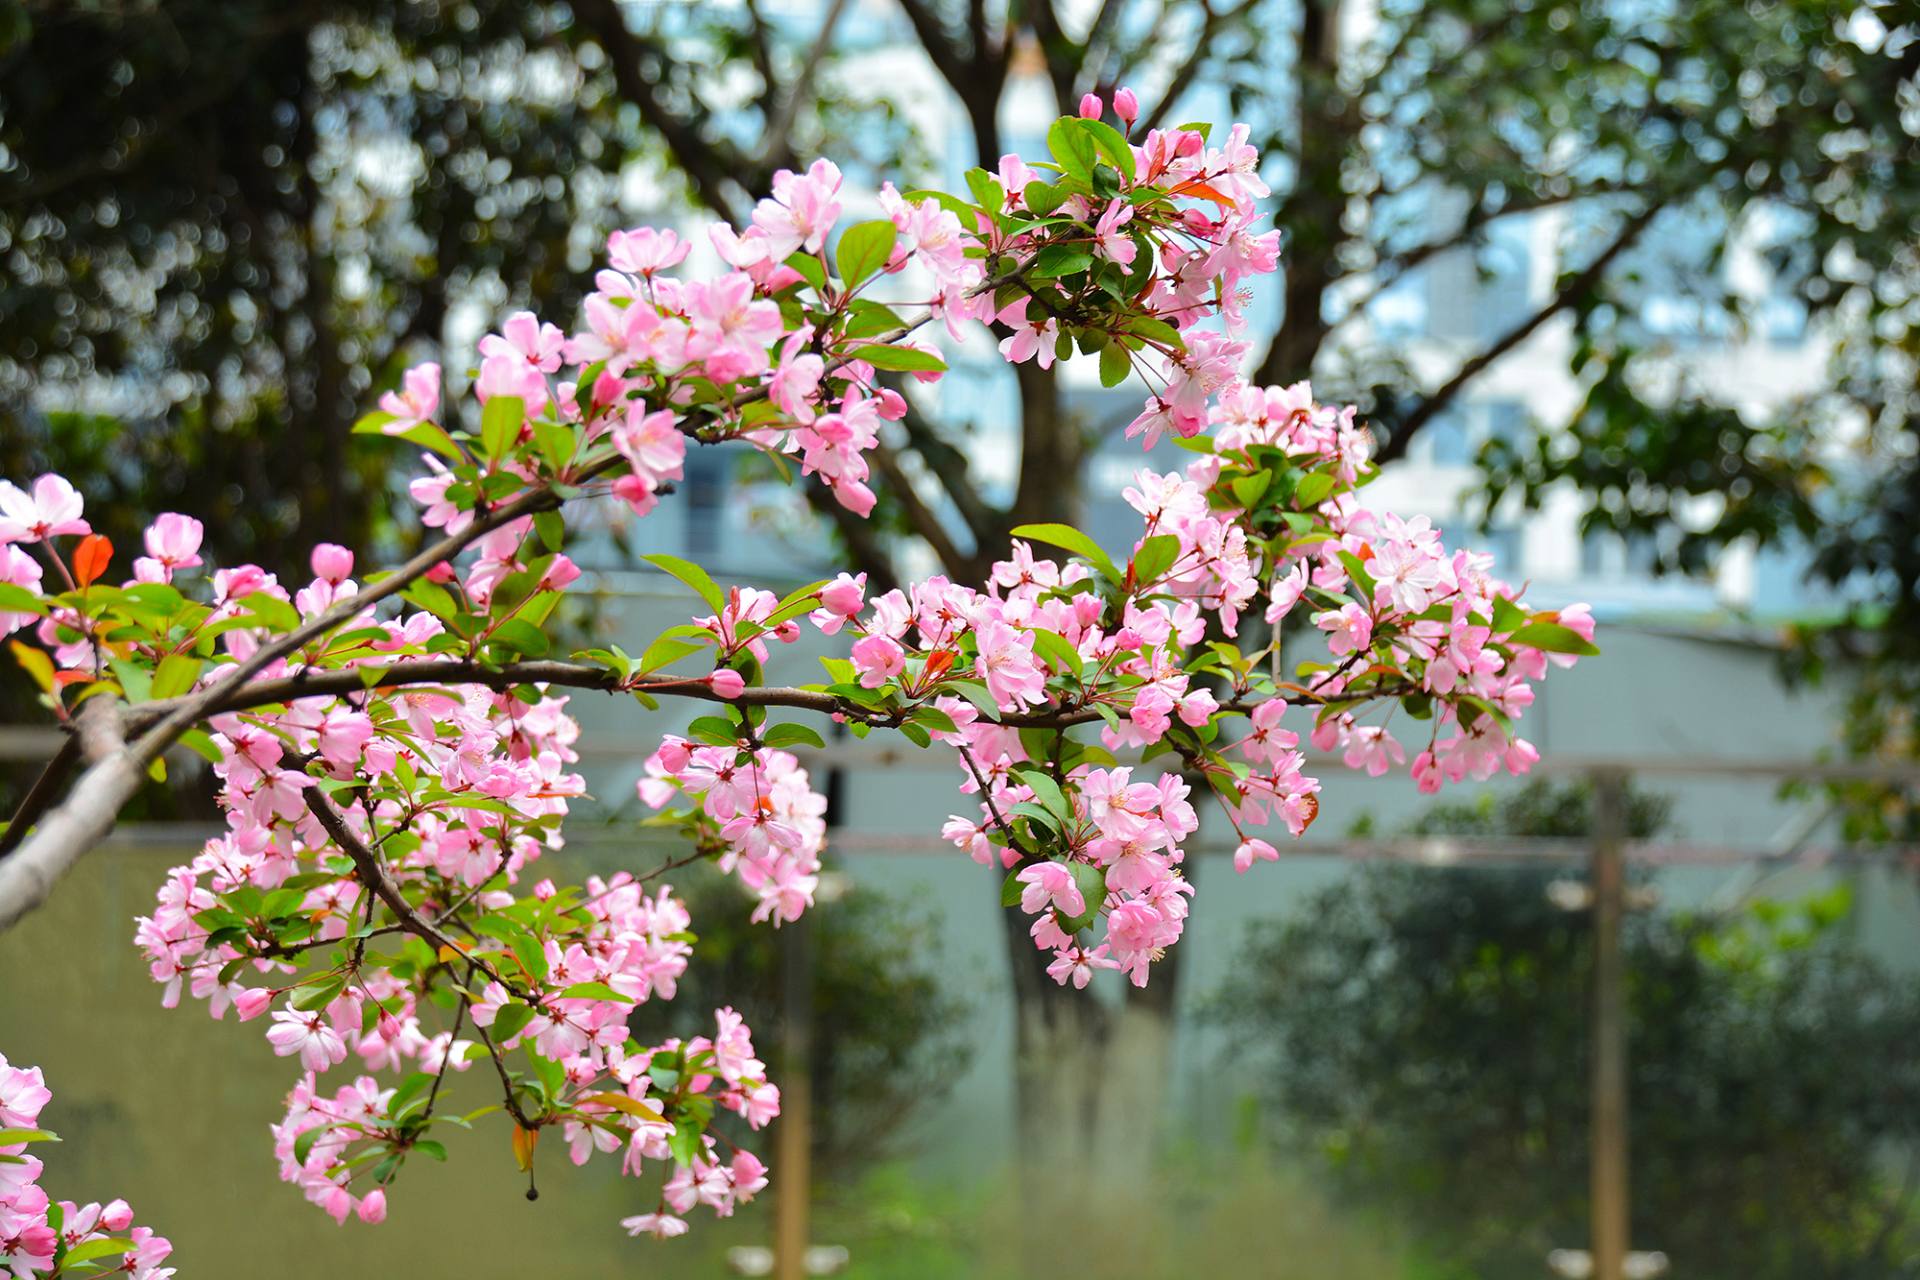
43,1237
394,754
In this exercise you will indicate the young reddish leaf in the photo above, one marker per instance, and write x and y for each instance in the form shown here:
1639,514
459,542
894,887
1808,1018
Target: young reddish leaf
90,558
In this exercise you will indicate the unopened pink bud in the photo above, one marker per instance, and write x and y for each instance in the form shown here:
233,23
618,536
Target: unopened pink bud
252,1002
1090,107
1126,106
726,682
373,1206
117,1216
332,562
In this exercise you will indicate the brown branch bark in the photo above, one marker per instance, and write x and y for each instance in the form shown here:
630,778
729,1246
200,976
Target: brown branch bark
710,165
924,519
1575,289
778,151
28,875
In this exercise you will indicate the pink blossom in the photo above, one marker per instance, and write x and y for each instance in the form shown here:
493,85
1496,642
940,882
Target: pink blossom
878,660
1251,851
52,508
645,251
310,1036
417,400
525,338
1007,665
1113,243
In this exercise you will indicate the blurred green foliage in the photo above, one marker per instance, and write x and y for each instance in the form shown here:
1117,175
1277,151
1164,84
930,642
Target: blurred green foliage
887,1032
1425,1033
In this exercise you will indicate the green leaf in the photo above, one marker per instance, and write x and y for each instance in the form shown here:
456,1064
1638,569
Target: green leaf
1111,145
810,269
976,693
509,1021
787,735
1060,260
1092,883
1248,490
272,611
1116,363
864,248
414,1086
666,651
1042,198
1156,331
1011,888
1072,146
1046,791
15,599
1507,616
594,991
1054,649
319,997
693,575
429,1147
1314,489
986,190
1071,539
522,637
500,424
1154,557
556,443
8,1137
425,434
201,744
1554,638
88,1251
900,359
175,675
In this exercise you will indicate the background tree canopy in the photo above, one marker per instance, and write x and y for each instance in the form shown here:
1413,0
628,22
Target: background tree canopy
1422,1034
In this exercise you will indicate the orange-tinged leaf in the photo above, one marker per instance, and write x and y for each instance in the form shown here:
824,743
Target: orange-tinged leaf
36,664
1202,190
632,1106
65,678
524,1141
91,557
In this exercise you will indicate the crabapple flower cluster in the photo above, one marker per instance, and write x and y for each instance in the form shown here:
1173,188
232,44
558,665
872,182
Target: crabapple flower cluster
42,1237
394,754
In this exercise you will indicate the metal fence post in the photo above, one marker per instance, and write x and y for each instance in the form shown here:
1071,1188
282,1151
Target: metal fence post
794,1176
1608,1136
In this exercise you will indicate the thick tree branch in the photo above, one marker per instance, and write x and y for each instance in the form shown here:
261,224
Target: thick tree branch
373,876
924,519
40,797
941,49
29,873
949,466
1575,289
710,165
778,150
1196,58
580,675
116,769
1391,268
